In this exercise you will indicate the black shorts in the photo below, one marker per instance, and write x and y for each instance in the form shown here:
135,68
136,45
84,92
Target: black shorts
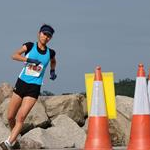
24,89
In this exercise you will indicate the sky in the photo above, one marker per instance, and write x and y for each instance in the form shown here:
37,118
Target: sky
114,34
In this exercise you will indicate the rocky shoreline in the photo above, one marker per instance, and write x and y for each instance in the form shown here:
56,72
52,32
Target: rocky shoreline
61,121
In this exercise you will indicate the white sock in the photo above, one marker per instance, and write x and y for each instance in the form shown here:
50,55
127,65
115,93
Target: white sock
8,144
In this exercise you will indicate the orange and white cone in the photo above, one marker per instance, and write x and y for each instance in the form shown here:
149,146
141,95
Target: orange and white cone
140,127
98,134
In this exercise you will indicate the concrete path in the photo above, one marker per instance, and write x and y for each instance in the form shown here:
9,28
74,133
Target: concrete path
119,148
114,148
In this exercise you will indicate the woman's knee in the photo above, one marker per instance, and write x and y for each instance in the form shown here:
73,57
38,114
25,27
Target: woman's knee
20,117
10,117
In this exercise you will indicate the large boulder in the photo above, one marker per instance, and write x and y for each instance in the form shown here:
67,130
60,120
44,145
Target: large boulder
70,105
38,137
36,117
65,133
1,96
4,131
70,130
84,104
66,113
124,111
28,143
120,127
6,91
3,110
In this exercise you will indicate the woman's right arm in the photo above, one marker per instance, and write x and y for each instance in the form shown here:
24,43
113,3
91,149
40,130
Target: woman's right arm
18,54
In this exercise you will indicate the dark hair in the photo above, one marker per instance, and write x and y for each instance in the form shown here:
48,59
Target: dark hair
47,29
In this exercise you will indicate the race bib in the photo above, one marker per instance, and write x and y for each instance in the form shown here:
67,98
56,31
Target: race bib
33,70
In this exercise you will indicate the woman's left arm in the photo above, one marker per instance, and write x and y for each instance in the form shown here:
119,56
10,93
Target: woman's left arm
53,63
53,75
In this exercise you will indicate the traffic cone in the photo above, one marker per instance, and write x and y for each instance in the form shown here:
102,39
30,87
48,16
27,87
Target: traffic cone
98,135
140,127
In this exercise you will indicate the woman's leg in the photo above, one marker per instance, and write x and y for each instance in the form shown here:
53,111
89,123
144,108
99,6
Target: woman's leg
26,106
13,108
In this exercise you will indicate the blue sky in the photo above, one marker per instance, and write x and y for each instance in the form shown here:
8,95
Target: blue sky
114,34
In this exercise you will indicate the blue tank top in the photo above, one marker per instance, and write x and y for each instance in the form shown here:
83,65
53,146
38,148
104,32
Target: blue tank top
32,73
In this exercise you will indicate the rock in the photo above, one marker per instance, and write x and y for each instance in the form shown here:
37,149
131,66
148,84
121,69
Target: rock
57,118
37,115
1,96
26,128
84,105
28,143
3,110
85,127
116,135
43,139
70,105
6,91
65,133
4,131
125,106
70,130
124,115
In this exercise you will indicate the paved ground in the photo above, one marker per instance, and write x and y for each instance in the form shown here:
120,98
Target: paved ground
114,148
119,148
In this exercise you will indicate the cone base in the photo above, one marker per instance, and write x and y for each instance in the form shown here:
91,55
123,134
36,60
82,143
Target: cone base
97,144
98,149
140,133
138,149
139,145
98,134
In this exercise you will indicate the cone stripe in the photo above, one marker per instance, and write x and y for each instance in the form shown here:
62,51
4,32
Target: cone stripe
93,142
98,100
141,140
141,102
